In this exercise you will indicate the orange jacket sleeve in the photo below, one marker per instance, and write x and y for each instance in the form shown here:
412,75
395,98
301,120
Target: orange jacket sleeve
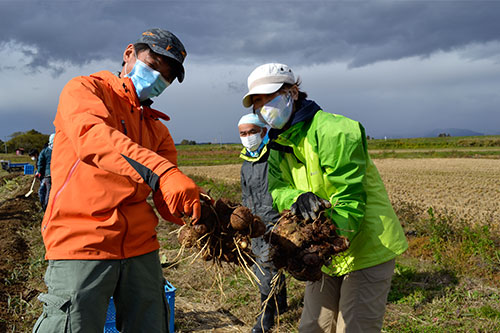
90,120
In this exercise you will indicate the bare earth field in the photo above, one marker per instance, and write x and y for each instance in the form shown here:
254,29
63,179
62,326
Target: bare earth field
466,188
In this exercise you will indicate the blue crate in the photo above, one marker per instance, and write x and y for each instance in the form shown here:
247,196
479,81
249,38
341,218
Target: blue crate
170,294
110,325
29,169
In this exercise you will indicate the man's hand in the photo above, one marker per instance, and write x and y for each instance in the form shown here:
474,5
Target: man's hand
308,204
181,194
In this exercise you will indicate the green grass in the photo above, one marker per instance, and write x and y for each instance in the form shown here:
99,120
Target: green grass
193,155
16,158
430,143
463,247
486,153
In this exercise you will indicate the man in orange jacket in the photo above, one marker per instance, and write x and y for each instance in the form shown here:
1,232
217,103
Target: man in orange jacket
110,152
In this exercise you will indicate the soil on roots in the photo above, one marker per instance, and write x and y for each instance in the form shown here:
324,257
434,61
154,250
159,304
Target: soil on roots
303,247
223,232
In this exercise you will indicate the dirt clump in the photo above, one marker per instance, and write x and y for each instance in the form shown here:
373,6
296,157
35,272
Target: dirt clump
302,248
223,232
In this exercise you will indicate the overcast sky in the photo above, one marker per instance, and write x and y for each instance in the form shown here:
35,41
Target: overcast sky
401,68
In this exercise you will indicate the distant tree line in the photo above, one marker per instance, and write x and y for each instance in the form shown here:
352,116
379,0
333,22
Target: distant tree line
188,142
31,139
443,135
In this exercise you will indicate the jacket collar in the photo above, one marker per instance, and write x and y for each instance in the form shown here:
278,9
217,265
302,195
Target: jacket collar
124,88
247,157
305,111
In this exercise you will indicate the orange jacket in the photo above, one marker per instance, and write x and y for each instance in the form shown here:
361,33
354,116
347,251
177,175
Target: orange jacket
108,154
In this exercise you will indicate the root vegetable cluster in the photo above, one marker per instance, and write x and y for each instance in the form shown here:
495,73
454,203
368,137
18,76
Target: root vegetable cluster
303,248
223,232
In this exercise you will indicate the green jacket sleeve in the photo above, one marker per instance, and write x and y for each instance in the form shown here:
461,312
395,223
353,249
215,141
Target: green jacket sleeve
343,155
281,182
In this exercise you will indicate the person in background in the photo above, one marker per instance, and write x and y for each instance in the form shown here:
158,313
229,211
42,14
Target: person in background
33,154
43,172
255,196
319,161
110,152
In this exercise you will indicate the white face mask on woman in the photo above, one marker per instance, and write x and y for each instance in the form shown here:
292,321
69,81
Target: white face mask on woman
252,142
277,112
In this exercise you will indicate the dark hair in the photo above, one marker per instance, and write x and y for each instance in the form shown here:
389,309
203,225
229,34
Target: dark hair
140,47
302,94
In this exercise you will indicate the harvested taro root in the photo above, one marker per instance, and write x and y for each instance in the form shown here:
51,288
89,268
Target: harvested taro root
223,232
302,248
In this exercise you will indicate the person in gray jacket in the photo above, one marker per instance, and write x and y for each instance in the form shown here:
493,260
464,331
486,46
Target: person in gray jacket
256,197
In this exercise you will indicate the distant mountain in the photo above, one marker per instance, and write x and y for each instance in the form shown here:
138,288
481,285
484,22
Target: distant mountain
433,133
452,132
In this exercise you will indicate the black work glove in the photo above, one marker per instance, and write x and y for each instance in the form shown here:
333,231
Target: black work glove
308,204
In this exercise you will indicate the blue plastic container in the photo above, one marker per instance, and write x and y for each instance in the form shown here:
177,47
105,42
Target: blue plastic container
110,326
29,169
170,294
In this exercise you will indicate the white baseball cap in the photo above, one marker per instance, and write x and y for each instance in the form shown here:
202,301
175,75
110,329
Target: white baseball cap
267,79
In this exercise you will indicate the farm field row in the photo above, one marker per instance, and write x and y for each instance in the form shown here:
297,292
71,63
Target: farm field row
466,188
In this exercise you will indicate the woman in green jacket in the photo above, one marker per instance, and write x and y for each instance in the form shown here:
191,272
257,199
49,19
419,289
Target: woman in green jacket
320,161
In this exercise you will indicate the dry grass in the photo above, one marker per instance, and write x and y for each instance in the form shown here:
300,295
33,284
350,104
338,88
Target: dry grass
229,173
444,282
425,297
465,188
468,189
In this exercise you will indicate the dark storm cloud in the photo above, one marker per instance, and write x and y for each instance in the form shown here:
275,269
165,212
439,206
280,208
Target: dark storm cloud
301,32
23,120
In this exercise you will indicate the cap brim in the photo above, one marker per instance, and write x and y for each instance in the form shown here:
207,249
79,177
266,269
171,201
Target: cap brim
159,50
261,89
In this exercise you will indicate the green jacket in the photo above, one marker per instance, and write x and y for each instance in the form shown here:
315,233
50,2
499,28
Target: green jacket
327,154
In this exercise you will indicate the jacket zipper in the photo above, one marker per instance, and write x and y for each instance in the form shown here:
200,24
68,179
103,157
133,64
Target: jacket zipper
59,192
124,127
140,125
135,186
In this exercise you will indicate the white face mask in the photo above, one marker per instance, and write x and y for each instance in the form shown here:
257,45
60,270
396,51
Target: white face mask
251,142
147,82
277,112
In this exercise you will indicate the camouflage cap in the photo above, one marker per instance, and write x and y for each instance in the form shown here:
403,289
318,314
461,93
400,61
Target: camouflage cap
167,44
